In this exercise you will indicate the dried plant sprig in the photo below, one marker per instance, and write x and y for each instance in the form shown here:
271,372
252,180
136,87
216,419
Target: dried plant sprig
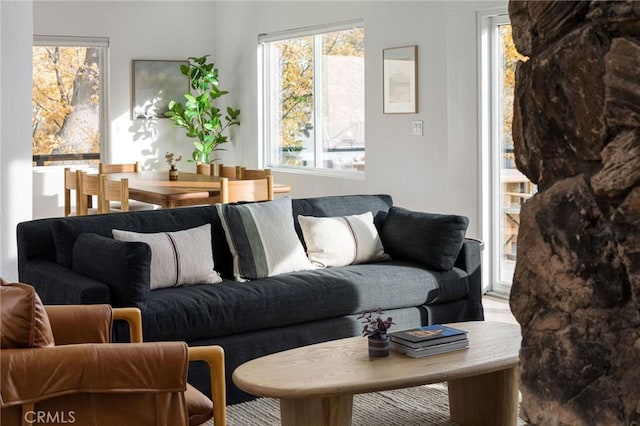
374,325
171,159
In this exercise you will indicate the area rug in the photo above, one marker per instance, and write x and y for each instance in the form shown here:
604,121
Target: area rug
419,406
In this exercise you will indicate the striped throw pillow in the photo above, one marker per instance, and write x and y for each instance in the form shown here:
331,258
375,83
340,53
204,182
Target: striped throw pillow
262,239
177,258
341,241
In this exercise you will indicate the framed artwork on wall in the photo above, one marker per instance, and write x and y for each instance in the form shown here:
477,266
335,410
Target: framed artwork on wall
400,80
155,84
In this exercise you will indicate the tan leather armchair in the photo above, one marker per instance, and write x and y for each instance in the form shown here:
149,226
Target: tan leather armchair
57,366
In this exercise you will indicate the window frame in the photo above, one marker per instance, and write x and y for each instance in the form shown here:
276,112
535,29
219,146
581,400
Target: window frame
489,114
103,66
267,68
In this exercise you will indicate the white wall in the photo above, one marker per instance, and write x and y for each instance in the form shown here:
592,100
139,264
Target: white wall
15,139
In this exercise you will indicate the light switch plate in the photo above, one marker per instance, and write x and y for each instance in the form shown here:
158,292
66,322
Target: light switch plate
416,128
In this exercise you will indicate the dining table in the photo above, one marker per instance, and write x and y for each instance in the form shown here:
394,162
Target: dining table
190,189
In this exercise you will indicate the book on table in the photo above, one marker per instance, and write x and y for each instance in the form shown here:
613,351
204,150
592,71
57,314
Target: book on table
431,350
429,335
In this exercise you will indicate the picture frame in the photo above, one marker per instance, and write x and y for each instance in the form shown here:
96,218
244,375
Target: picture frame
155,84
400,80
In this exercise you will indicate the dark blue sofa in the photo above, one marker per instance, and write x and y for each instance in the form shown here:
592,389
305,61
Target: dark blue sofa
248,319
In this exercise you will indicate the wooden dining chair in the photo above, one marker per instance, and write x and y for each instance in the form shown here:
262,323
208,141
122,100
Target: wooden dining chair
104,168
113,190
88,186
119,168
253,173
233,191
225,171
70,184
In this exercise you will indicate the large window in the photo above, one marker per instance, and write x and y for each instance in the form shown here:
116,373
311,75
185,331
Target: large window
68,98
508,187
314,98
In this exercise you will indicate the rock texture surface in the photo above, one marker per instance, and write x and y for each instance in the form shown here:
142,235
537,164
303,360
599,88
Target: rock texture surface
576,290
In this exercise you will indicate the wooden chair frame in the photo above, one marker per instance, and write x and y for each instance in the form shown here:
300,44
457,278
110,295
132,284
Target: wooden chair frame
113,190
253,173
118,168
70,184
232,191
87,187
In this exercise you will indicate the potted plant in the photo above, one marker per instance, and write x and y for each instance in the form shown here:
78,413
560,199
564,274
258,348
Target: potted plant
198,114
375,328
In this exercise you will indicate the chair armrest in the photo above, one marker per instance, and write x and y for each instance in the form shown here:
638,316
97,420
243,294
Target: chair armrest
31,375
214,356
72,324
133,317
95,323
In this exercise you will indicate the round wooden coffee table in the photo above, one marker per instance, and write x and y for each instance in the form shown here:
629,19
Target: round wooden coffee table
316,383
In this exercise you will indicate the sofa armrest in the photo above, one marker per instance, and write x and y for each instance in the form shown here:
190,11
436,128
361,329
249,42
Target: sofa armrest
58,285
470,260
30,375
214,357
124,266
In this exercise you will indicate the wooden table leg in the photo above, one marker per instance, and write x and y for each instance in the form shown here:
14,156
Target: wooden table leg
329,411
488,399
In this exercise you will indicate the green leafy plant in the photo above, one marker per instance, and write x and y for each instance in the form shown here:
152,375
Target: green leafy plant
374,325
198,114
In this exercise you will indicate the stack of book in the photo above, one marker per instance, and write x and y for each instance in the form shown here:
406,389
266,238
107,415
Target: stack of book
429,340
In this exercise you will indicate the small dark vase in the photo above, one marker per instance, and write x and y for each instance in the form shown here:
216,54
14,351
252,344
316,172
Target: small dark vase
173,173
379,346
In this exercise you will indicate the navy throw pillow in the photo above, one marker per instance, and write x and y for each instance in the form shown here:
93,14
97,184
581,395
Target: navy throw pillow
429,238
124,266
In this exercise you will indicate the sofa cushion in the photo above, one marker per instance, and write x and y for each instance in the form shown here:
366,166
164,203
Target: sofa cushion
201,312
432,239
124,266
262,239
341,240
66,230
23,319
177,258
342,205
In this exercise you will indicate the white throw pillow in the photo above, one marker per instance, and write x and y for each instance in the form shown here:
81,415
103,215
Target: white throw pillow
343,240
177,258
262,239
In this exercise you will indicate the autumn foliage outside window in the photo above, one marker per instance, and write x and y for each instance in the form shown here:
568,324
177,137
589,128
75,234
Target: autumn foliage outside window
67,100
314,98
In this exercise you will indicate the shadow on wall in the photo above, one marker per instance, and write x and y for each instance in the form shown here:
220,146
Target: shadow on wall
147,130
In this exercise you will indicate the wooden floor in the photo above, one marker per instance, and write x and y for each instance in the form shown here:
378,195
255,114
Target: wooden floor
497,309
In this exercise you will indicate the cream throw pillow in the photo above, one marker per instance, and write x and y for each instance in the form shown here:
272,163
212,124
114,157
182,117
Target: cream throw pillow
340,241
177,258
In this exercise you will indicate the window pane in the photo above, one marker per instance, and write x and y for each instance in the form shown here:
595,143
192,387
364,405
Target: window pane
292,100
66,101
315,100
515,188
342,112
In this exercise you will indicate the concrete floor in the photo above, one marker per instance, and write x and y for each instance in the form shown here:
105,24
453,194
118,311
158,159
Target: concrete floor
497,309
